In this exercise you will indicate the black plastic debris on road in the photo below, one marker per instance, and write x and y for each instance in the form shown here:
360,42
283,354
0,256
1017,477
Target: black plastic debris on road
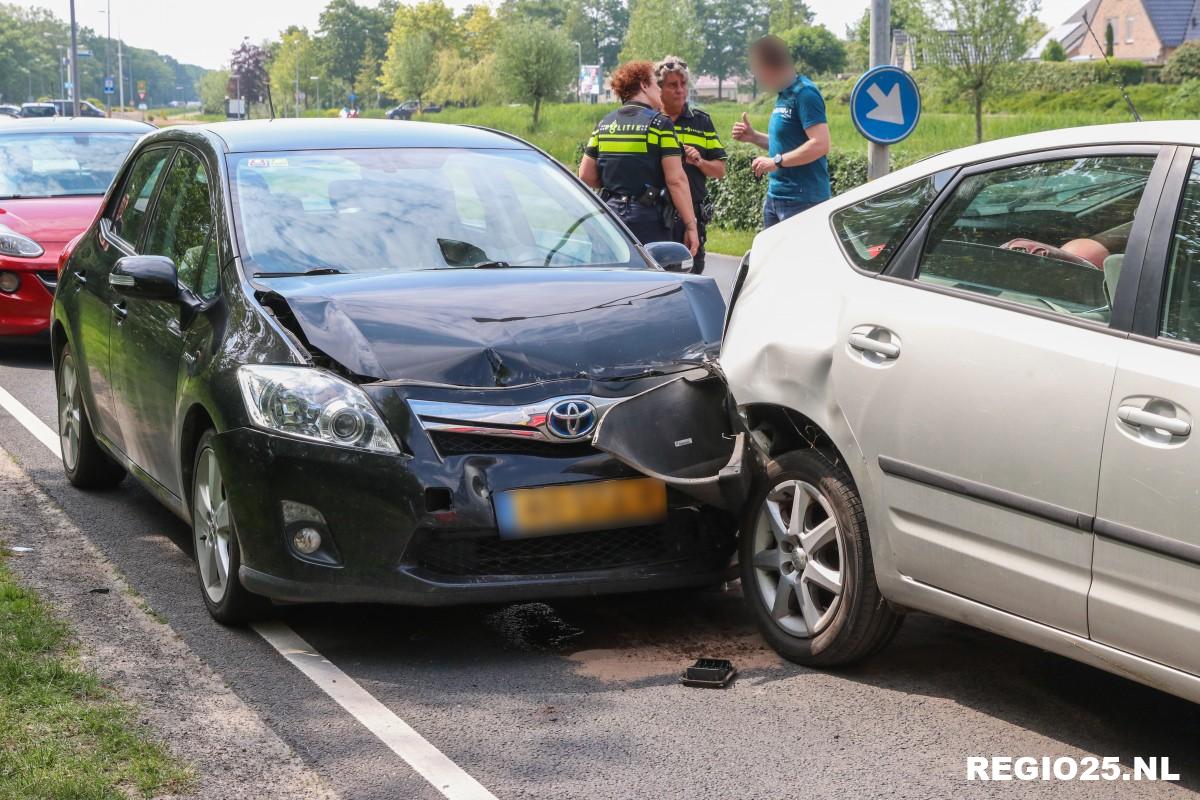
709,673
98,590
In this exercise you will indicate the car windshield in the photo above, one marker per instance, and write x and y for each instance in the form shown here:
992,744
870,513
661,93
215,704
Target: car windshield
417,208
60,164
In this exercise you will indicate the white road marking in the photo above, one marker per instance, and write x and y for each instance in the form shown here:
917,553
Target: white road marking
32,423
429,762
425,759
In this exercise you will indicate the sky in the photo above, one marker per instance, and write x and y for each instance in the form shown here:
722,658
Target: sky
205,31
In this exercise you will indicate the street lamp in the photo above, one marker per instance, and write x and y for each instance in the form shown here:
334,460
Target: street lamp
107,12
579,74
317,78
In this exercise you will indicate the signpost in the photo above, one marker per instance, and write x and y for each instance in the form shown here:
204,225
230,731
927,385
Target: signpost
110,85
885,106
141,90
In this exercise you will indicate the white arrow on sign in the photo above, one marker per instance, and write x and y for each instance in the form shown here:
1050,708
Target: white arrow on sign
887,106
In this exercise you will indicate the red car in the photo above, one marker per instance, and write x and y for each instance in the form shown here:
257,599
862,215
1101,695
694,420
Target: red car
53,175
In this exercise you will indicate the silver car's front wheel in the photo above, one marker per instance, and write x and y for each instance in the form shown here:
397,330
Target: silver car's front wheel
807,573
798,558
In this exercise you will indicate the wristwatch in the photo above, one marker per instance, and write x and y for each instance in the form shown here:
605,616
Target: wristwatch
778,159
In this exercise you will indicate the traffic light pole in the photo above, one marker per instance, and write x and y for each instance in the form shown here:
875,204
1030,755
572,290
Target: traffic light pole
74,65
881,45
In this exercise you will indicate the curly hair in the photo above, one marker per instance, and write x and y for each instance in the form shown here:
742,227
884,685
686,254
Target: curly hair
629,78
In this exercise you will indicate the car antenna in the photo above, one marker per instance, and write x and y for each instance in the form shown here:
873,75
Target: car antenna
270,102
1116,75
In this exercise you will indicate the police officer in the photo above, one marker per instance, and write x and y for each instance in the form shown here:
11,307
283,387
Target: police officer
636,162
703,154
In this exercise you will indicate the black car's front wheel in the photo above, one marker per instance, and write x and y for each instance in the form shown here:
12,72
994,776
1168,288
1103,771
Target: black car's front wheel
215,542
807,573
87,465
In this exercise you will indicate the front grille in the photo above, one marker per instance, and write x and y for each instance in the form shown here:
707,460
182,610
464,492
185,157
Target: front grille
449,443
49,278
685,540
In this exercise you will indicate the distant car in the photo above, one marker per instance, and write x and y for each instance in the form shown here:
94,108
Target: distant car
39,110
53,174
432,108
399,112
10,111
975,387
86,109
380,387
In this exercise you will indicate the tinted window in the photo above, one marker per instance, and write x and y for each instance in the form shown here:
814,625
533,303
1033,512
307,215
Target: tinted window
134,202
414,209
60,164
872,230
1050,235
183,220
1181,311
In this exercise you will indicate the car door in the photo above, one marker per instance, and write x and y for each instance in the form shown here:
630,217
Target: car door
148,334
976,373
120,229
1145,595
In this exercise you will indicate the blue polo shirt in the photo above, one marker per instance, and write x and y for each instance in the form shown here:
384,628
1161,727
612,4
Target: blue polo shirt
799,106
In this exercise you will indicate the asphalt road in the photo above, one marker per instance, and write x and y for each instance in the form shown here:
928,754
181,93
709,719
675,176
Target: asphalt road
580,699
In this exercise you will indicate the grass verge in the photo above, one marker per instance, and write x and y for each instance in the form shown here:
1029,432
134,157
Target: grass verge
729,242
63,736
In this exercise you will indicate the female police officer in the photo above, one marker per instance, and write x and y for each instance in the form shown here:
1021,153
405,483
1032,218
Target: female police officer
636,162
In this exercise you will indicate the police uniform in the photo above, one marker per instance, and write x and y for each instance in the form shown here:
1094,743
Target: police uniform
695,127
629,145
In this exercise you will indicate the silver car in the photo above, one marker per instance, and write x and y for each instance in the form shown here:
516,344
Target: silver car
968,388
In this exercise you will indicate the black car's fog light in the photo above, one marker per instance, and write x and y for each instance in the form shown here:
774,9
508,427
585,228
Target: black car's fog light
9,282
307,534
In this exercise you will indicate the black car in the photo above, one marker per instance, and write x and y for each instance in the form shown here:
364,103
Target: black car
400,112
66,108
39,110
368,364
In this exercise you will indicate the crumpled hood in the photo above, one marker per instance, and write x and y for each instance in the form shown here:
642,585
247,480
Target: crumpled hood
49,220
506,327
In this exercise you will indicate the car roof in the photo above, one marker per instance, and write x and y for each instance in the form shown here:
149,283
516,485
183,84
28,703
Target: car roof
72,125
268,135
1180,132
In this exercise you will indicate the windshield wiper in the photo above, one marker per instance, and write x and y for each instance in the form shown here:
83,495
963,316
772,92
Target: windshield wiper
314,271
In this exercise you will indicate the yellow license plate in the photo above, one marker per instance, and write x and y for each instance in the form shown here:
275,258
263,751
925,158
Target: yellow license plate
550,510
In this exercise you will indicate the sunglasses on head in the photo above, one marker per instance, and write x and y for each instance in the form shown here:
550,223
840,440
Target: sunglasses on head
667,65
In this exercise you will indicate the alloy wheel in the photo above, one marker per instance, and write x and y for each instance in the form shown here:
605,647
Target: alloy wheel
70,415
798,563
212,527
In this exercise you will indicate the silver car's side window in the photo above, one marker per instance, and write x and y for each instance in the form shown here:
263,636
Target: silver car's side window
1051,235
870,231
1181,307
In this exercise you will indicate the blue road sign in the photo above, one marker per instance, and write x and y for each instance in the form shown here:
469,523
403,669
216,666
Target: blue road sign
109,85
885,104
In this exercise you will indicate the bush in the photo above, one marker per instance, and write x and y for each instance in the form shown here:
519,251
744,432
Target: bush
1186,102
1183,64
738,200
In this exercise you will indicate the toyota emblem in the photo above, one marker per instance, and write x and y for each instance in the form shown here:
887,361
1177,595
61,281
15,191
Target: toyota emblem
571,419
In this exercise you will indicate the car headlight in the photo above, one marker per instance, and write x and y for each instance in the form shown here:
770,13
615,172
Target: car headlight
18,244
313,404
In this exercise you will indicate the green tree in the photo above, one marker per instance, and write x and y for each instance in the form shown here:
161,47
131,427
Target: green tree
1053,51
294,57
370,71
535,61
788,14
1184,63
343,29
599,26
972,40
479,29
663,27
465,80
551,12
816,50
1109,37
409,69
726,29
431,17
214,88
905,15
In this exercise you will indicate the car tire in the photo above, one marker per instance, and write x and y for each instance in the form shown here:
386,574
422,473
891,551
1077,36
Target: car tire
215,543
811,586
85,462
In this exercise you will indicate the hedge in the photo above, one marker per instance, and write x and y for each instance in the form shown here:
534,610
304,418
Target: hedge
738,199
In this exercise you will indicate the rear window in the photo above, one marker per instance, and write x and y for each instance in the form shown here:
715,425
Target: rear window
871,231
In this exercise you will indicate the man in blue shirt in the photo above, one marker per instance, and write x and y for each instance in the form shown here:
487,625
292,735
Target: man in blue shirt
797,139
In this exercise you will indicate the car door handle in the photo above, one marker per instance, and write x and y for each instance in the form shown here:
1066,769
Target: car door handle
864,343
121,311
1141,418
80,276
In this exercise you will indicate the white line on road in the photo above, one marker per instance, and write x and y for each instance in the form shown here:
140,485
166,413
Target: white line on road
425,759
429,762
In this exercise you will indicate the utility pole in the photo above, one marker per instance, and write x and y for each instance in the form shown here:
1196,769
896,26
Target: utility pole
579,74
881,43
74,65
107,60
317,78
297,86
120,72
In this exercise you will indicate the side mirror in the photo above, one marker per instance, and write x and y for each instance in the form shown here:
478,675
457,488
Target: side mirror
671,256
147,277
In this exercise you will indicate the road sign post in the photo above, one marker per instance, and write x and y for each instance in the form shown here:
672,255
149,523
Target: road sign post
885,106
880,52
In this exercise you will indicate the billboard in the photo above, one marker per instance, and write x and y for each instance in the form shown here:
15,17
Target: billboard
590,79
